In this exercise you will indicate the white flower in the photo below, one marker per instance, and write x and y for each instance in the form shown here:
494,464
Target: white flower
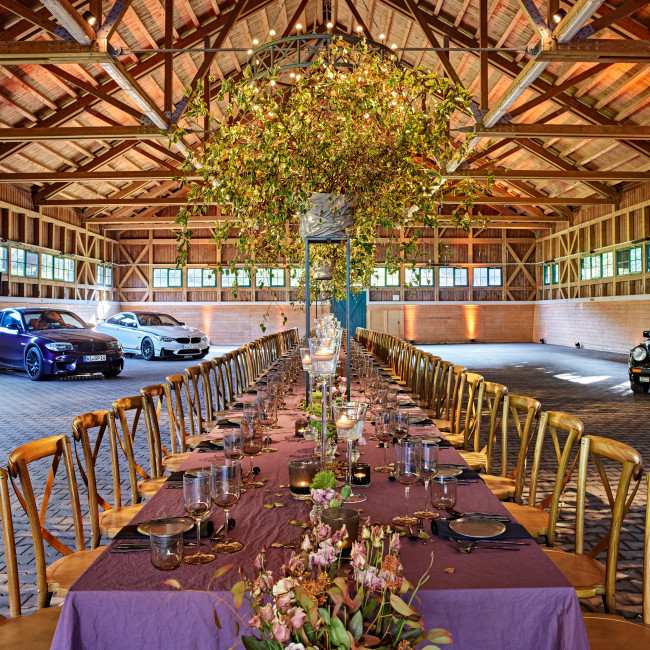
295,646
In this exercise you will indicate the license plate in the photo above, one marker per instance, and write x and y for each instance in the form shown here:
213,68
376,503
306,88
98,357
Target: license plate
89,358
191,346
644,380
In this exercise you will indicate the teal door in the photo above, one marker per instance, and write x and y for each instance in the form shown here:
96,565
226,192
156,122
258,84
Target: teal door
357,311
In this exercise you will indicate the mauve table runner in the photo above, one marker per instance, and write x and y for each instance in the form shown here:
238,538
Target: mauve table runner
492,599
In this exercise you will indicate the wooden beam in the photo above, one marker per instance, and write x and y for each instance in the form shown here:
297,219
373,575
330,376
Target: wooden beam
115,16
357,17
483,56
500,200
167,174
83,133
59,52
71,20
595,50
630,132
535,18
624,10
30,16
169,57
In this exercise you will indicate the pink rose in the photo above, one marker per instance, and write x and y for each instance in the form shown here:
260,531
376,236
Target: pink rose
306,543
395,543
296,564
298,618
323,532
280,632
255,622
266,613
259,562
282,602
358,555
340,535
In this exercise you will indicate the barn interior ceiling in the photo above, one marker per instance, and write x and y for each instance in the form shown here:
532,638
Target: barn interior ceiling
90,90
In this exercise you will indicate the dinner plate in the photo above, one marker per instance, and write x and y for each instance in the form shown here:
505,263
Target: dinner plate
449,470
416,419
237,406
186,522
236,420
477,527
217,442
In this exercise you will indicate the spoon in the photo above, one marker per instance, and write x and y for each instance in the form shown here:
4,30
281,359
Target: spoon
473,546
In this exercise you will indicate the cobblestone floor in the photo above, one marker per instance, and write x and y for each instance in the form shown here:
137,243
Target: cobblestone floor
590,385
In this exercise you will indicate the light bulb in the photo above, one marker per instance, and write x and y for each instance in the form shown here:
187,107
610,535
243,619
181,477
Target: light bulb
250,52
382,37
272,33
292,75
329,28
255,42
299,28
393,46
359,29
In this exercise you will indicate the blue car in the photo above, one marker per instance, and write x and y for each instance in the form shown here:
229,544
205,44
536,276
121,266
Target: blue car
46,342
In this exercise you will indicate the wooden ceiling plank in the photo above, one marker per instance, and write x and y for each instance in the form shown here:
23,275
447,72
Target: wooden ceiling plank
41,19
632,132
358,19
613,16
35,134
8,98
483,56
169,57
113,20
29,87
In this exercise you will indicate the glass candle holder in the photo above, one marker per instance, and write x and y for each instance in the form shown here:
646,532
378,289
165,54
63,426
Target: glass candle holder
361,474
336,518
166,544
301,475
300,428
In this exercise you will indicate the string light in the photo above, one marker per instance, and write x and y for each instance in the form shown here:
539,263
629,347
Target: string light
329,28
273,82
393,46
382,38
272,33
250,52
299,29
359,29
255,42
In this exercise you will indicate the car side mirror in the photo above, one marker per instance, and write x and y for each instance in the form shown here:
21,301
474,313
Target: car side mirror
646,334
14,326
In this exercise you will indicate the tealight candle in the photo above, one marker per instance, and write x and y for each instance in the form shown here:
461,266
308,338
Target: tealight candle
300,428
361,474
306,360
344,422
301,474
323,355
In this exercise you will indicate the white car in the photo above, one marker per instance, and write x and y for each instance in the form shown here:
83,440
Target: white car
152,335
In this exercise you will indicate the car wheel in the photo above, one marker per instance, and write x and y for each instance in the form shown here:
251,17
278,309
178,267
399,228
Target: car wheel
34,364
147,349
641,389
112,373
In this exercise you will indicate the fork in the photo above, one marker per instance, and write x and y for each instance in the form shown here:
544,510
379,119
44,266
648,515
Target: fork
473,546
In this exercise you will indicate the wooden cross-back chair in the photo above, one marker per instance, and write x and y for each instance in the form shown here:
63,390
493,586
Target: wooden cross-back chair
467,410
59,576
101,424
523,412
198,400
131,408
184,421
534,515
448,396
588,576
214,390
607,631
429,368
488,403
154,399
36,630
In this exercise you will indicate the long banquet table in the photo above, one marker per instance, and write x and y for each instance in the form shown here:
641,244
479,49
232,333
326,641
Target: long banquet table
491,599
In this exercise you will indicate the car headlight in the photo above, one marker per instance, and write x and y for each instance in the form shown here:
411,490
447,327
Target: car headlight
114,345
639,353
59,347
165,339
204,338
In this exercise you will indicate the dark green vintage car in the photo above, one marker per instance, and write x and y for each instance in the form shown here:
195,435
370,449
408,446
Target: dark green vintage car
639,366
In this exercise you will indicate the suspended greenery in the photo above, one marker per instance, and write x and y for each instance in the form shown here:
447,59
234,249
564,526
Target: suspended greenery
369,129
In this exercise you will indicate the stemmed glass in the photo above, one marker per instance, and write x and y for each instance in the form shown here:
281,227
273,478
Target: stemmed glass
252,446
349,418
384,424
407,463
226,492
401,425
233,444
197,499
268,417
443,492
428,469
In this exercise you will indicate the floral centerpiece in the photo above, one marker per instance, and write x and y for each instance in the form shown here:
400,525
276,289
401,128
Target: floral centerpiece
317,602
355,124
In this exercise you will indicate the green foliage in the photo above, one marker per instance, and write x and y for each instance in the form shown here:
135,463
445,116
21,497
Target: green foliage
323,480
373,131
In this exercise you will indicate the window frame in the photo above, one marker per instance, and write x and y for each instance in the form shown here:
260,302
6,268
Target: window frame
4,260
555,273
488,279
236,275
295,276
457,281
16,264
633,266
416,277
381,272
167,273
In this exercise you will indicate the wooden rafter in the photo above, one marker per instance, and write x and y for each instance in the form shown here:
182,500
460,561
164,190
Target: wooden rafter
632,132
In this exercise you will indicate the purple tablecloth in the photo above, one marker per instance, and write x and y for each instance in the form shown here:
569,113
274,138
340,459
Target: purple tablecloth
492,599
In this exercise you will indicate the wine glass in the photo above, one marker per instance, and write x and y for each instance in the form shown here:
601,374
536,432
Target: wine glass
349,418
443,492
407,463
268,417
250,411
401,425
252,446
384,425
428,469
197,499
226,492
233,444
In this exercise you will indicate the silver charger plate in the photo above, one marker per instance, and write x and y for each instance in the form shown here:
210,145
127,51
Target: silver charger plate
449,470
477,527
186,522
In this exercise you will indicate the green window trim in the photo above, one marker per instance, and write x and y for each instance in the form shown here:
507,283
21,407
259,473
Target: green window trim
167,278
629,261
555,273
4,260
453,276
200,278
381,277
487,276
17,262
295,276
240,277
270,278
421,276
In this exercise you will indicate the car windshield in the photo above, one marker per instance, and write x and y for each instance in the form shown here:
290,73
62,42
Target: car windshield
50,319
156,320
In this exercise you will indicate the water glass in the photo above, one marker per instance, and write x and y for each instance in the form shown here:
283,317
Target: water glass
233,444
166,543
443,492
401,425
407,464
427,471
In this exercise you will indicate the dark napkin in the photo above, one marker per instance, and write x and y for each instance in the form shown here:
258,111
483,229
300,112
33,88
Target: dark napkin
467,474
208,447
440,527
427,422
227,425
237,406
131,531
175,477
443,444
